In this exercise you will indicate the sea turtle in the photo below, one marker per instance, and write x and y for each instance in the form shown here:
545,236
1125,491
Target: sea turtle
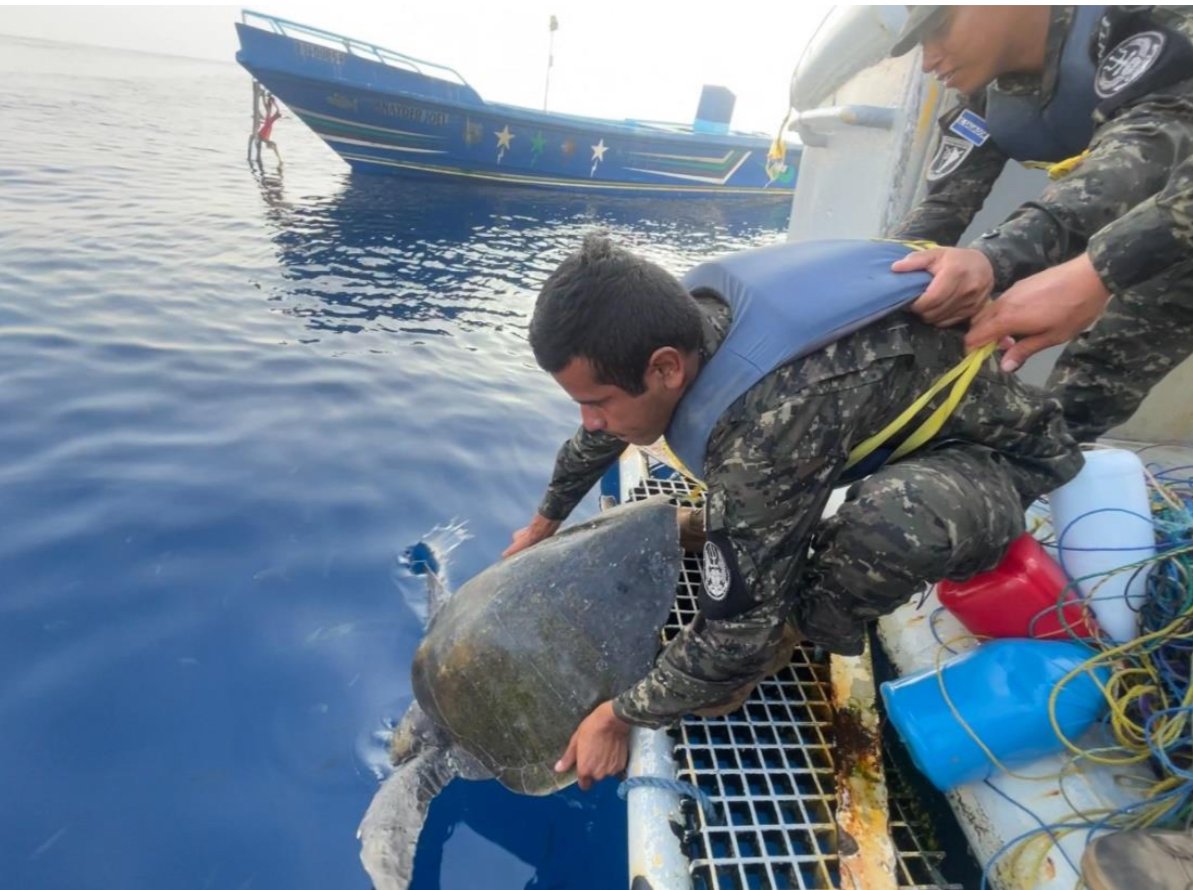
514,660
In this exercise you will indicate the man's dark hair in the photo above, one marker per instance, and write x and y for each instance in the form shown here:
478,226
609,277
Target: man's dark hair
614,309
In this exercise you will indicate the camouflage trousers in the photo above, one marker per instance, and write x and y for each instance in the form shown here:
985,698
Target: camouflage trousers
1105,373
949,513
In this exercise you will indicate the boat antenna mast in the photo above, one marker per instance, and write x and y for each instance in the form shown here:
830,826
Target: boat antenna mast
552,27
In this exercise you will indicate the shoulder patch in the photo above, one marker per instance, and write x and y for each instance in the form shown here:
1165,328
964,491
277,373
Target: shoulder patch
952,151
971,126
1128,62
723,594
716,572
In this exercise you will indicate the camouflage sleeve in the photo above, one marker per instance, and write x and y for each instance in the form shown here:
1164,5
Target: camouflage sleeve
960,177
760,513
1153,236
580,463
1129,161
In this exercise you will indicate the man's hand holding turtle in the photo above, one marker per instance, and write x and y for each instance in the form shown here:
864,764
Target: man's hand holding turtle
539,529
599,747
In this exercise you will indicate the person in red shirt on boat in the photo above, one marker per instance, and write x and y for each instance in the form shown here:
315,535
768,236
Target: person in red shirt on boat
263,135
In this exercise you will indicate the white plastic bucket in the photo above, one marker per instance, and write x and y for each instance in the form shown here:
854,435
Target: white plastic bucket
1102,520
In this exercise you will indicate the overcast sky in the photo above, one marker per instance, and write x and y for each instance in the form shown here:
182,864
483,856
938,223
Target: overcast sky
613,58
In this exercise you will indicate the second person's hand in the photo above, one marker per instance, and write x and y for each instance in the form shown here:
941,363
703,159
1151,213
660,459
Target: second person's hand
962,280
1042,310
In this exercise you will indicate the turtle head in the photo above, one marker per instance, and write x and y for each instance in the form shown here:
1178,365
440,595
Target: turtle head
415,732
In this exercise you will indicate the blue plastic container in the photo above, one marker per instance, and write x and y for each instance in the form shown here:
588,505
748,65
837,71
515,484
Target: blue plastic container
1001,690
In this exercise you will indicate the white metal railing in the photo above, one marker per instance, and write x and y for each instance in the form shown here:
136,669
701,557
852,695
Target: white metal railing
359,48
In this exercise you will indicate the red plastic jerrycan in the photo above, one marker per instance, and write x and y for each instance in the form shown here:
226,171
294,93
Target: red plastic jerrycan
1020,597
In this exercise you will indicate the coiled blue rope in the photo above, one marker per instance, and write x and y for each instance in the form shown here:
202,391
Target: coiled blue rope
683,789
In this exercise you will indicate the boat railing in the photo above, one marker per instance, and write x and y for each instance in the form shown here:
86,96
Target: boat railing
352,46
687,129
667,126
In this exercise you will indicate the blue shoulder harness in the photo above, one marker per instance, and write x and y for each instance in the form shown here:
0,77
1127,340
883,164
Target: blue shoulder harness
787,300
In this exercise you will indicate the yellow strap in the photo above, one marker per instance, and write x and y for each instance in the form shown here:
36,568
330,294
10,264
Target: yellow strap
778,148
1060,168
962,373
913,244
1068,165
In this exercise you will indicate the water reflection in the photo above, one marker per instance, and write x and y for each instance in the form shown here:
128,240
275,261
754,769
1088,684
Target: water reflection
389,254
480,829
200,576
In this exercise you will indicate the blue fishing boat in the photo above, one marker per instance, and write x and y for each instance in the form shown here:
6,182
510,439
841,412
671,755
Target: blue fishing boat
385,112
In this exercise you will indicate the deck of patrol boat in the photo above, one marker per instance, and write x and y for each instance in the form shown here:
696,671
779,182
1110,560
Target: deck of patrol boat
1002,813
769,770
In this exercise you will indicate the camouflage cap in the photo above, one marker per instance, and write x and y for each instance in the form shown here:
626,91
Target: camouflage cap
917,18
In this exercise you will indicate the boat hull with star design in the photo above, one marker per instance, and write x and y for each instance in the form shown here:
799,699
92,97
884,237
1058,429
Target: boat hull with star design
384,112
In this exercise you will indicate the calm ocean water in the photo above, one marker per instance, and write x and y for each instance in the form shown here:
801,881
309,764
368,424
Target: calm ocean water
229,401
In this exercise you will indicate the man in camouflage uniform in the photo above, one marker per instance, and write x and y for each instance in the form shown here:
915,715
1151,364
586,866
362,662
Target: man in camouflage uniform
1143,131
625,341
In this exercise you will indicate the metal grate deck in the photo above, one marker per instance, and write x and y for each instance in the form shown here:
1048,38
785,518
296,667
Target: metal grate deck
769,770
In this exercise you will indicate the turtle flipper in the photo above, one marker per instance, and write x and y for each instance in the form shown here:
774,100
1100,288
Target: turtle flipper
389,831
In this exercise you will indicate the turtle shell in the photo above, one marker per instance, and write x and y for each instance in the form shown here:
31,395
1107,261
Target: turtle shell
525,650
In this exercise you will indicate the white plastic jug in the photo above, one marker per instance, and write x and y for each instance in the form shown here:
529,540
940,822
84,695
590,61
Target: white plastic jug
1102,520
